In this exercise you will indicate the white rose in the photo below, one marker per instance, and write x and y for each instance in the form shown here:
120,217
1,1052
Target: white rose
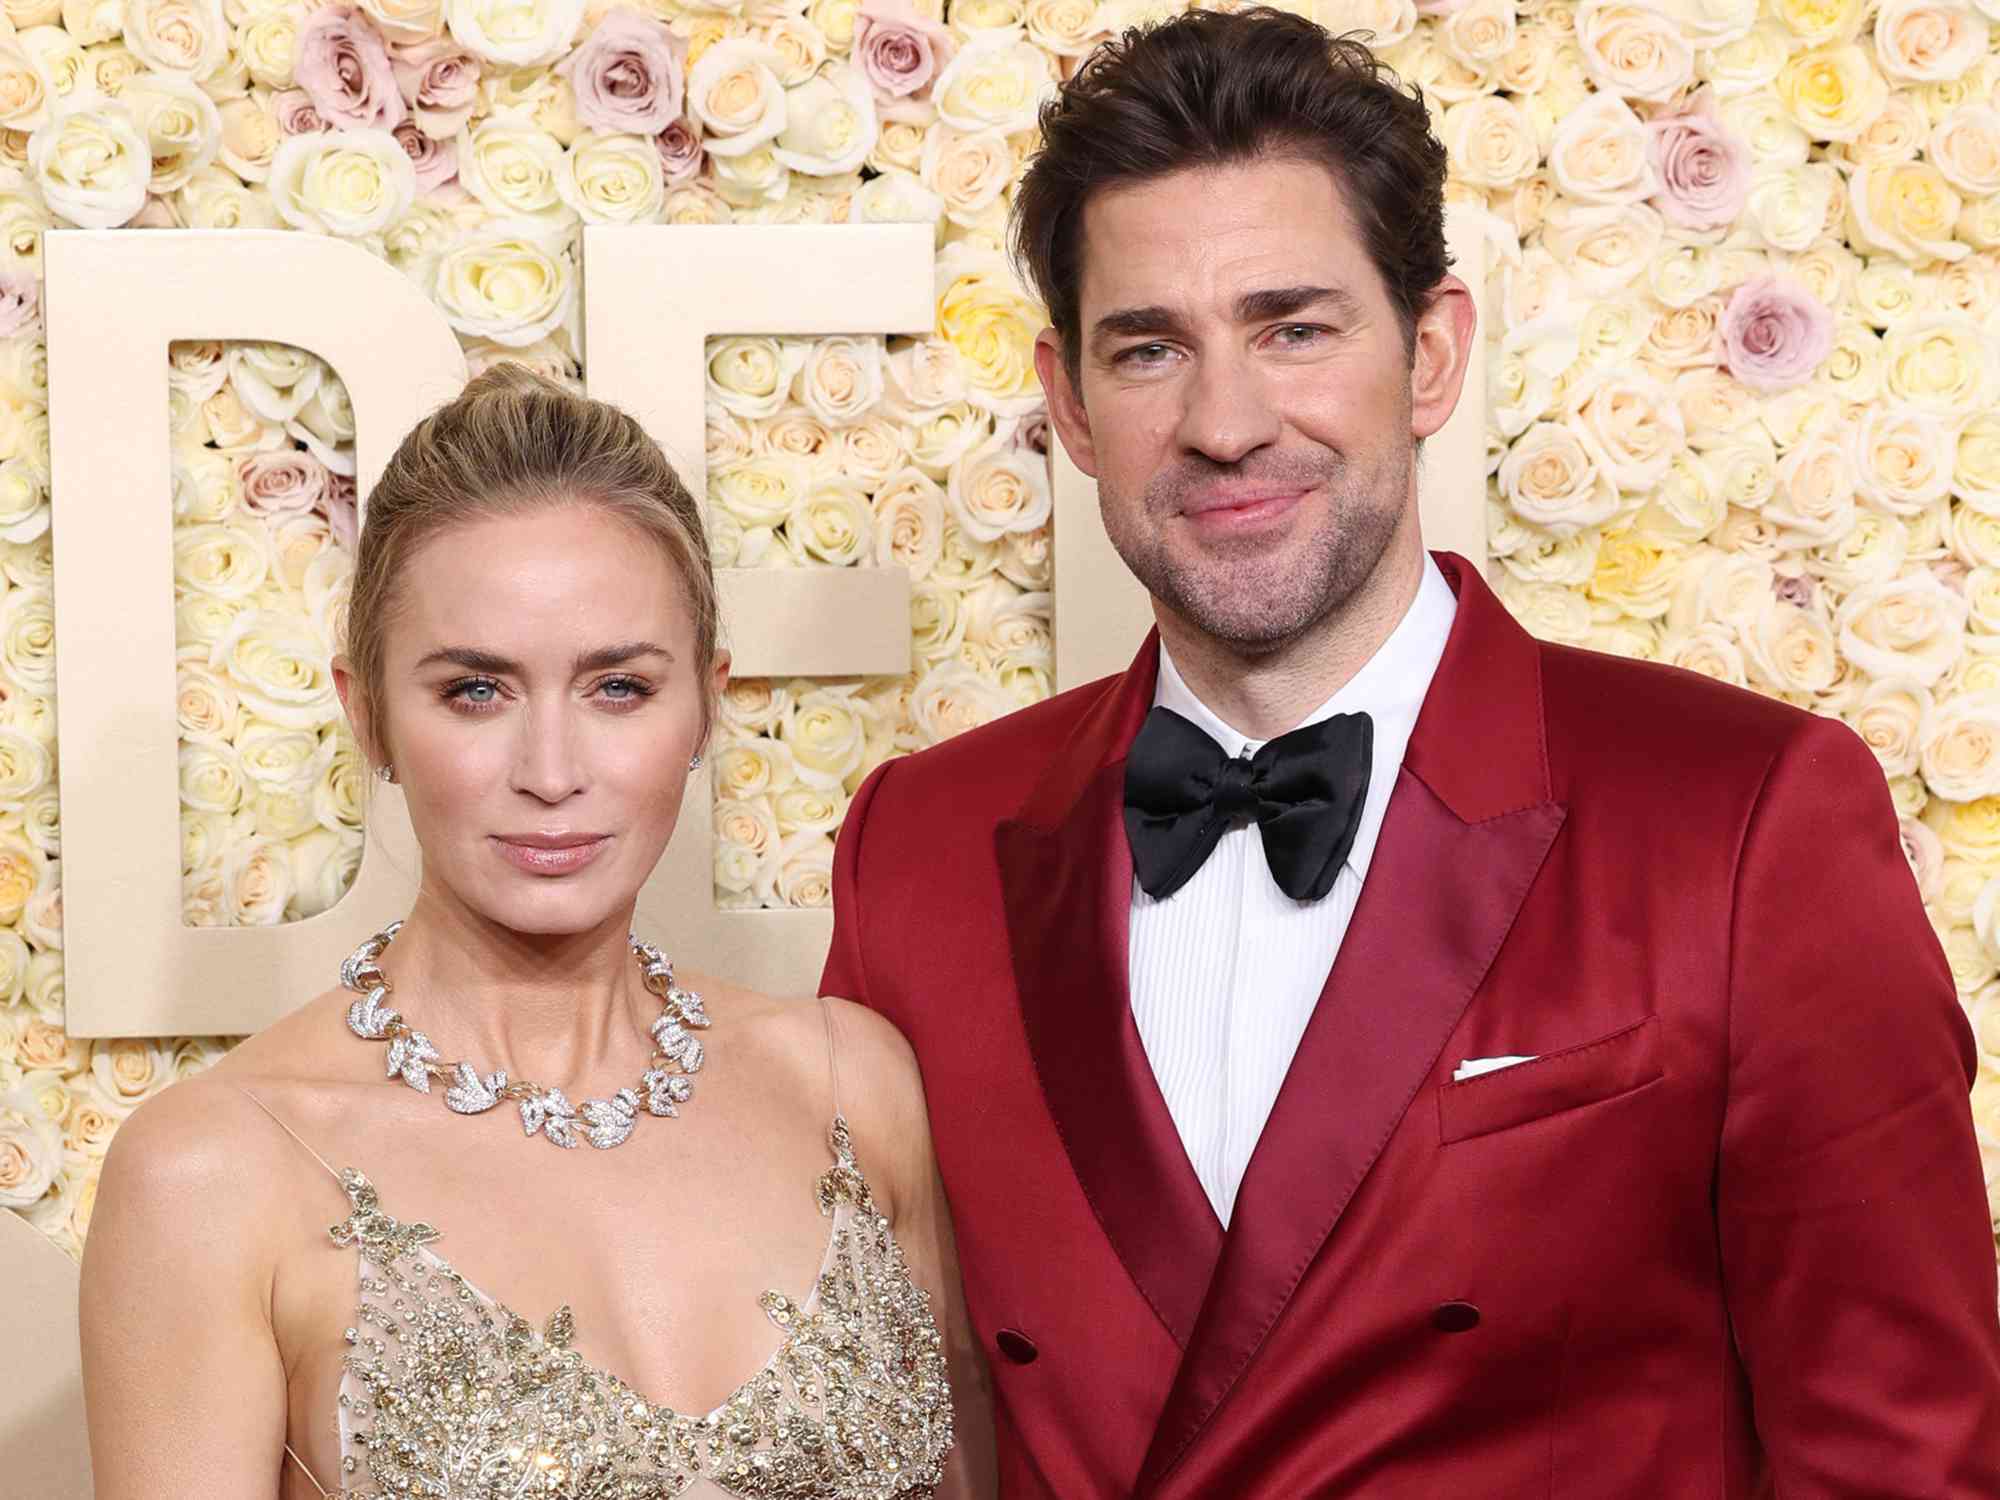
795,434
1521,382
1907,209
1774,138
1885,292
1547,611
1724,588
515,168
211,775
256,883
1911,626
1744,64
352,183
1925,41
746,846
733,92
1960,755
1889,717
1598,153
24,765
187,38
1491,141
995,82
24,500
826,733
1834,93
760,491
1976,463
1682,275
229,561
921,376
1982,598
1791,650
1941,364
1552,479
999,488
909,523
830,124
1872,552
840,379
1852,371
756,766
802,875
92,165
512,284
1688,505
1902,461
1708,649
215,199
1636,428
951,698
1814,504
1788,206
872,449
1604,246
1634,50
751,376
515,33
897,197
966,171
612,179
31,1149
831,522
278,668
25,87
1965,147
1477,33
323,865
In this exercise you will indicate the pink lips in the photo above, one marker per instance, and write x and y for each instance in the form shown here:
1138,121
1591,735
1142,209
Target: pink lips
1240,509
551,853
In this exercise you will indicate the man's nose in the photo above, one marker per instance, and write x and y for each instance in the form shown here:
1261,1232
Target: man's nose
1228,412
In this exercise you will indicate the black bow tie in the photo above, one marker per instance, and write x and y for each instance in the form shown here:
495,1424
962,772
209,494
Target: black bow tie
1304,790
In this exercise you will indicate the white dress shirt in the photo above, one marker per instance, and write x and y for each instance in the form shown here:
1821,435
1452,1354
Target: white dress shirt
1226,971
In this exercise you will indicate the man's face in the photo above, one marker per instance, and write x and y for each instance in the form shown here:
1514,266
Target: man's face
1244,395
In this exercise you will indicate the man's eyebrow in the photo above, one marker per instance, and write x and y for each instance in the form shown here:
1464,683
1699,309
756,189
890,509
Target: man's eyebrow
1134,322
475,660
1285,301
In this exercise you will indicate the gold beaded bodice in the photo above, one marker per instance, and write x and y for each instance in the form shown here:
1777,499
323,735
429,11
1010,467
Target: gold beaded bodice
450,1395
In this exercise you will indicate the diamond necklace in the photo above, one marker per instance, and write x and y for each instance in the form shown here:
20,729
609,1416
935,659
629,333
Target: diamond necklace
603,1122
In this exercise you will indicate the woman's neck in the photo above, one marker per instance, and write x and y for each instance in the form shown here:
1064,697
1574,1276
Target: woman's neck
568,1012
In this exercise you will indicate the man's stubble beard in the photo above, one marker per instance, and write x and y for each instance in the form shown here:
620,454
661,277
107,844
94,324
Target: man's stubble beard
1254,603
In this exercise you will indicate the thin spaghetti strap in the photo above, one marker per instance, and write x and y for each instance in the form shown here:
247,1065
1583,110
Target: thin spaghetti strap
311,1478
290,1132
832,1054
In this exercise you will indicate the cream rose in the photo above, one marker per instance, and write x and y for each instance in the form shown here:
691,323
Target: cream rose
1889,716
830,124
1976,463
996,82
1960,747
734,94
1791,650
1902,458
746,846
1553,479
512,284
91,164
1491,141
760,491
186,38
751,376
352,183
991,325
896,197
951,698
826,733
1636,429
1965,148
1708,649
1634,50
229,561
1943,365
1834,93
840,379
1814,503
278,668
31,1154
872,449
754,767
1928,41
1604,246
515,33
831,522
999,488
515,168
1911,626
612,179
1907,209
909,523
25,87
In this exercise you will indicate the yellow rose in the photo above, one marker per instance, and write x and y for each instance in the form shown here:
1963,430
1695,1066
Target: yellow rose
1822,23
992,325
1941,365
1908,210
1834,93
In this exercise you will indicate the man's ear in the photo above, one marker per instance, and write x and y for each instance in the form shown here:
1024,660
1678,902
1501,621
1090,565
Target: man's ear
1441,353
1072,422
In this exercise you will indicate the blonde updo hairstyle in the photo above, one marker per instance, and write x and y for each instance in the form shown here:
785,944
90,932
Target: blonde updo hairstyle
512,443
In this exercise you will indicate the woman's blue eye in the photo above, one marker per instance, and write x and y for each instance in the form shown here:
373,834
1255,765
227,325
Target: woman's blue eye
479,692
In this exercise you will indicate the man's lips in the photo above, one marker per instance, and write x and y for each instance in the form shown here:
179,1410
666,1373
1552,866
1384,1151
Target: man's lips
1223,509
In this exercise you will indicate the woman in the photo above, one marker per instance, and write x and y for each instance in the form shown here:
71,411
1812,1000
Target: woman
738,1278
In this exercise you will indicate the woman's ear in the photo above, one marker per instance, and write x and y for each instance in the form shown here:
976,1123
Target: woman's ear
354,703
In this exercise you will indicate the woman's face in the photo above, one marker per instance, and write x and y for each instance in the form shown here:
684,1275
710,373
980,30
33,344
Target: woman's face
540,709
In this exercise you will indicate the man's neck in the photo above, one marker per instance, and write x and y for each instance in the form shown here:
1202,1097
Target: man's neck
1264,693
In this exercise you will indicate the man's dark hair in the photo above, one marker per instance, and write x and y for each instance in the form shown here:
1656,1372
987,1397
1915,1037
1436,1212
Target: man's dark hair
1208,89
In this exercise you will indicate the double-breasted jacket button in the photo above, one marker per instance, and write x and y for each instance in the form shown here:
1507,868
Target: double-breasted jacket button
1016,1345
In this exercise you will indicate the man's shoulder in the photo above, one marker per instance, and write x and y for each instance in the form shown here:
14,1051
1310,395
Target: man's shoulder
1606,711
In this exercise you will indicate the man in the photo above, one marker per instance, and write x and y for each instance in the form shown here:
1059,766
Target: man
1527,1072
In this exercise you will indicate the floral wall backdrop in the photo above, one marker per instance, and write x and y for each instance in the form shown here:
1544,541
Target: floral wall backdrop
1743,414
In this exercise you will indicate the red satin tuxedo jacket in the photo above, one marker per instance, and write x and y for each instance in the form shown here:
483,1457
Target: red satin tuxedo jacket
1727,1233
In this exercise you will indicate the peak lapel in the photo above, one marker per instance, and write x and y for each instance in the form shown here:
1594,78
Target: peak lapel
1467,829
1066,880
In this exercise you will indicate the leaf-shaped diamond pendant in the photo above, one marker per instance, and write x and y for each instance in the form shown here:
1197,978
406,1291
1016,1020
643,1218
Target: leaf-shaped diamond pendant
550,1113
665,1090
471,1095
407,1055
369,1017
610,1120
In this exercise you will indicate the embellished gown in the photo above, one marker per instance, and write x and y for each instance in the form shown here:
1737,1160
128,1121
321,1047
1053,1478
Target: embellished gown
448,1394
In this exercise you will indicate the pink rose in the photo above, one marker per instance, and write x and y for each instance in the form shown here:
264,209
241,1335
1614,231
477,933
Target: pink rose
1775,333
900,50
340,510
436,161
20,303
439,80
680,152
343,65
295,113
1703,170
627,76
283,482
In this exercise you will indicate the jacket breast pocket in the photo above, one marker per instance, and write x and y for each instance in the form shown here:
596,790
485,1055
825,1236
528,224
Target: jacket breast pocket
1589,1073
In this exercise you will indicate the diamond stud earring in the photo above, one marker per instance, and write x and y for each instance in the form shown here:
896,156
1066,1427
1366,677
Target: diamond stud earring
695,763
387,773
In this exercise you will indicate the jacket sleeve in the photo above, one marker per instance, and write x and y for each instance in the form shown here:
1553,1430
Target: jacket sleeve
846,972
1857,1246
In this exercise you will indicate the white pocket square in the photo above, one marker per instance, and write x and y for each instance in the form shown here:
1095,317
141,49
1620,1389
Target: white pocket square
1472,1067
